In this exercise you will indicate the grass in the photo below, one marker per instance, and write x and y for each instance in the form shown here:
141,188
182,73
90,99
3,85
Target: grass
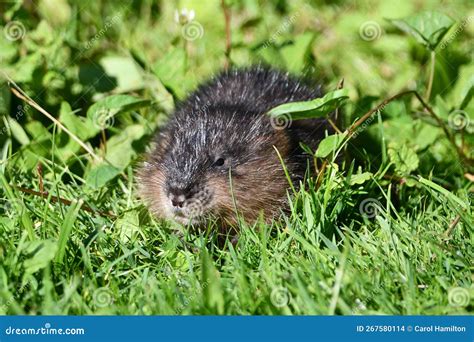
389,231
398,262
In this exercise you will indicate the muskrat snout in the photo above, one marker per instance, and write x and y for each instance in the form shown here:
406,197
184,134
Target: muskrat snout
178,197
188,205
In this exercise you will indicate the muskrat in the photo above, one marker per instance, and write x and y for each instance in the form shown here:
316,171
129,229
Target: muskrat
216,155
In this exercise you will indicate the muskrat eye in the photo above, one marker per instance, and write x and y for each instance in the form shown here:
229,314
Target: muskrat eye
219,162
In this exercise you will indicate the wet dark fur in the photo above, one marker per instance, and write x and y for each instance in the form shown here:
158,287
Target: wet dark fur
226,118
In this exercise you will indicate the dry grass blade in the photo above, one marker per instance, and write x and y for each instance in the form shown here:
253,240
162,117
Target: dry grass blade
18,92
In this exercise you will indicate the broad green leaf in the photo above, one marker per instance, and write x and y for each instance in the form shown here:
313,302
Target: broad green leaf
42,35
24,69
467,99
296,54
311,109
360,178
37,130
425,136
102,113
428,28
443,77
5,97
160,95
57,12
99,175
403,157
461,94
28,160
8,51
395,109
271,55
410,182
81,126
171,71
330,144
125,71
18,132
119,147
442,108
128,226
40,254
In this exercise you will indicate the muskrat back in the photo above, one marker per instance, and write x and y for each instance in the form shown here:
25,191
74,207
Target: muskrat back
217,153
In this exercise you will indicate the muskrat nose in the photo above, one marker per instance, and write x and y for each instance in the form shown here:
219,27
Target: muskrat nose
177,197
177,202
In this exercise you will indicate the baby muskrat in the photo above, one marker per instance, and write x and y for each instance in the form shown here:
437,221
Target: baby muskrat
217,153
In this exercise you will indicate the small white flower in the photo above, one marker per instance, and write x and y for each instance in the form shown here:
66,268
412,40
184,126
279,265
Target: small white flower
184,16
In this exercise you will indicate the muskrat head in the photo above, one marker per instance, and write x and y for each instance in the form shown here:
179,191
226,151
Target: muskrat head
212,162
